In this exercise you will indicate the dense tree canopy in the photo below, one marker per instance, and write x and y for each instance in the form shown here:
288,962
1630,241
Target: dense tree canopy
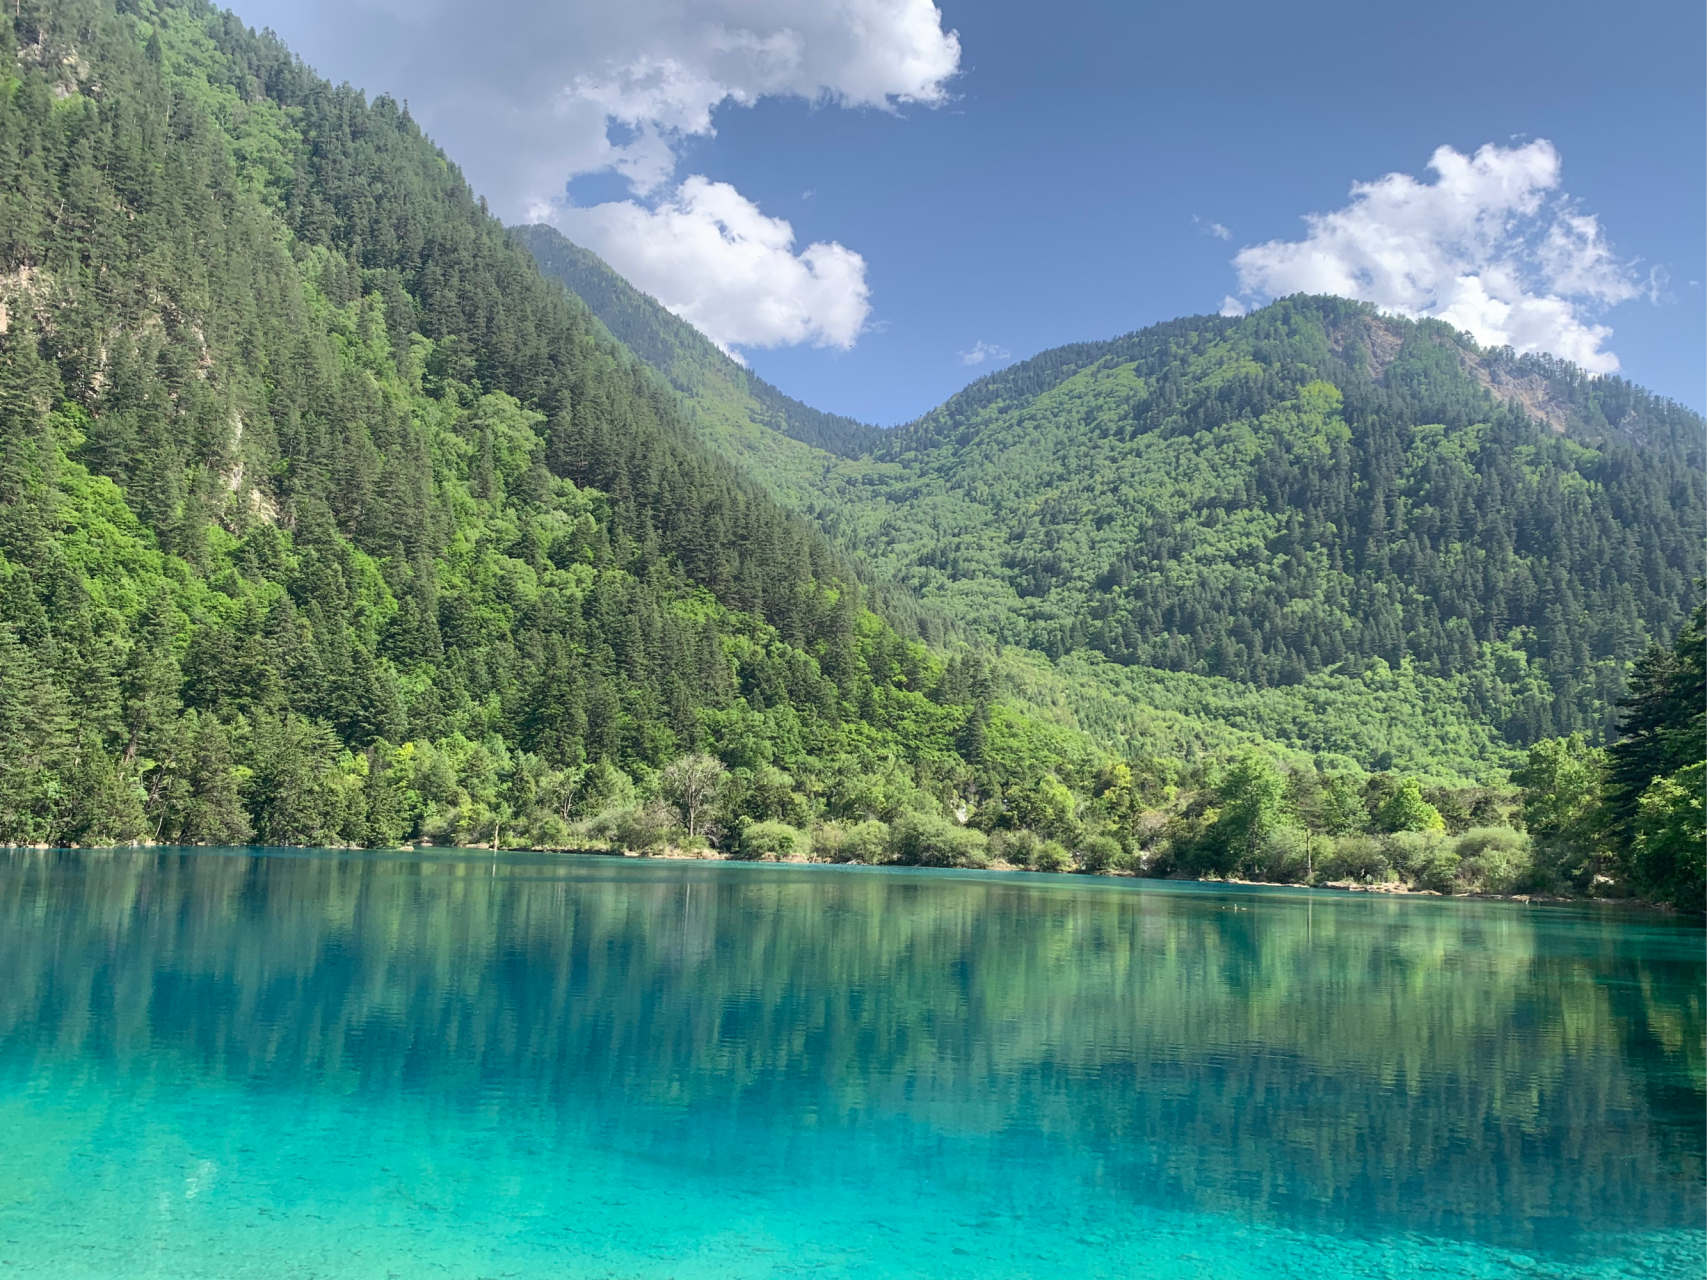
1262,521
327,517
324,516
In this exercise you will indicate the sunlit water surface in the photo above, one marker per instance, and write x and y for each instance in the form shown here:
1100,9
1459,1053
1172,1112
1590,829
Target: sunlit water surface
236,1063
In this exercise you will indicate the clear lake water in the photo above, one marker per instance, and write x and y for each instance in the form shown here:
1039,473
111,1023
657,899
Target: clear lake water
288,1064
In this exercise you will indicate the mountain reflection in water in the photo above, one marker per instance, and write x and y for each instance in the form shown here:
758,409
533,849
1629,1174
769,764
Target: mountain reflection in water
1524,1077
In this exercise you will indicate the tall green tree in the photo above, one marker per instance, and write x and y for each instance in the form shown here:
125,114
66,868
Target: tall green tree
1654,775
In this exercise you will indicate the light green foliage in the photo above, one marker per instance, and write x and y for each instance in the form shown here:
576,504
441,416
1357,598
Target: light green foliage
1491,860
325,517
1258,532
1423,858
1404,809
772,840
693,784
1023,847
1654,779
1286,853
1050,856
1046,806
603,787
1671,835
1356,857
866,842
643,828
927,840
1102,853
1249,805
1494,860
1562,781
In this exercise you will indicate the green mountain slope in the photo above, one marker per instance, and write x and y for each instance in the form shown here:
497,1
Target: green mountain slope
1307,488
325,517
733,400
1341,532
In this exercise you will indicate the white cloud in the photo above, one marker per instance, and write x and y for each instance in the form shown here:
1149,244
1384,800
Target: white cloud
525,95
1211,228
1231,306
982,351
708,254
1487,247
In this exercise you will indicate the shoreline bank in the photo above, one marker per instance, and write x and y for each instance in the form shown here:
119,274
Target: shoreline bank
674,854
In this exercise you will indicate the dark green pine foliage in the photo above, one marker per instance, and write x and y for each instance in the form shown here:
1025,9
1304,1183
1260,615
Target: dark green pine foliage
322,511
1263,522
1663,726
1653,796
1316,486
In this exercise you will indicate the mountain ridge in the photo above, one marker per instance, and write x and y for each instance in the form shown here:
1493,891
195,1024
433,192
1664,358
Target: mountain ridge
906,509
681,352
327,518
1554,391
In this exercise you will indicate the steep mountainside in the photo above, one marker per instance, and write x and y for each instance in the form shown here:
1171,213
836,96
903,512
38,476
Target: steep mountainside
732,399
324,515
1312,486
1345,532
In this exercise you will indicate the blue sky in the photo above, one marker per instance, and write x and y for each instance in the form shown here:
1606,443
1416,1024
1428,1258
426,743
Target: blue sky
1047,174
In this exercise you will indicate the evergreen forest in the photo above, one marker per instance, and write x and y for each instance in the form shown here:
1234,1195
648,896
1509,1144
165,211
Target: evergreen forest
333,512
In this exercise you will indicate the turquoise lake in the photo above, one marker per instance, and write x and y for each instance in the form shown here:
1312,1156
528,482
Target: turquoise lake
285,1064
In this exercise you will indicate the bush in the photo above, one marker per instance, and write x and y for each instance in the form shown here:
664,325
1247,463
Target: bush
1409,853
641,828
1102,853
550,832
925,840
1439,873
1284,855
1014,847
969,848
828,843
772,840
866,842
1354,858
1493,860
1426,859
1051,855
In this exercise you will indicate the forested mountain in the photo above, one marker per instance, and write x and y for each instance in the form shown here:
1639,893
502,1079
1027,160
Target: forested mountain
1311,486
324,516
733,411
1245,518
1312,529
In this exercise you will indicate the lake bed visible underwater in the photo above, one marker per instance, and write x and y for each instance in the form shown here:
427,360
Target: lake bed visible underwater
292,1064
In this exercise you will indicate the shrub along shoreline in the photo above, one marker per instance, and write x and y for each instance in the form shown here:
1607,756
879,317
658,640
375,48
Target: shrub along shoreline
1401,888
1580,822
1502,857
